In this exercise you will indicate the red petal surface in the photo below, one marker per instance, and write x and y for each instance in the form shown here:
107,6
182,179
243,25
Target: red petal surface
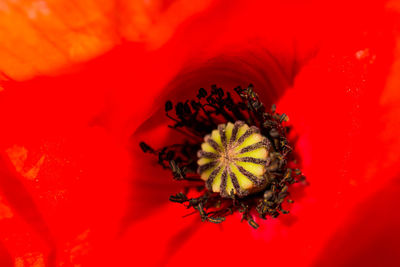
76,191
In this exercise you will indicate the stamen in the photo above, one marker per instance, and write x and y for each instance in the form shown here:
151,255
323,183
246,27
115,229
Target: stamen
242,164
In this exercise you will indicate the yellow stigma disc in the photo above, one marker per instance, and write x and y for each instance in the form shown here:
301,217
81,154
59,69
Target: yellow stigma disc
233,158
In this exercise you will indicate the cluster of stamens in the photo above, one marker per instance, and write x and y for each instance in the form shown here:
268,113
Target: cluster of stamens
236,157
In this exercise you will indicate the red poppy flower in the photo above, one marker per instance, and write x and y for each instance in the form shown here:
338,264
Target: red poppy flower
82,82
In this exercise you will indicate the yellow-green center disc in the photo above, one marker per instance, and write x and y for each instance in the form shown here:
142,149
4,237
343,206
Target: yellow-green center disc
233,159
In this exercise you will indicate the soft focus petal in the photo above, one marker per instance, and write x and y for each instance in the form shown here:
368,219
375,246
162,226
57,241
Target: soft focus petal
73,191
348,138
47,36
65,169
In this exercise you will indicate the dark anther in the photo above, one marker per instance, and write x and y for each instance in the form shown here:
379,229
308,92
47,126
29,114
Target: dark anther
202,93
170,155
168,106
179,198
195,105
273,108
243,208
186,108
161,157
252,223
211,100
178,173
220,93
274,133
268,195
179,109
229,104
195,118
283,117
238,90
146,148
178,160
203,214
216,219
284,211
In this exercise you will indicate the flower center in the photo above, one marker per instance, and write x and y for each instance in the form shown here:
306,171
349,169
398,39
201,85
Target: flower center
241,166
233,160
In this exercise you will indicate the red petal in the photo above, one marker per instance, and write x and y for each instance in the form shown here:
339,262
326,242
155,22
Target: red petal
71,134
44,37
337,109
